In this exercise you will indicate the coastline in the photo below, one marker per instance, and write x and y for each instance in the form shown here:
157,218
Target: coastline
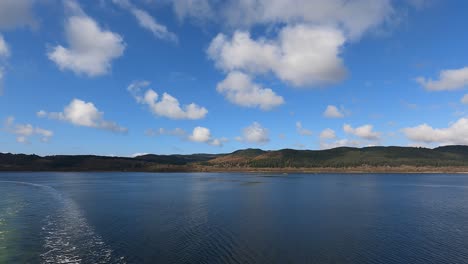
323,170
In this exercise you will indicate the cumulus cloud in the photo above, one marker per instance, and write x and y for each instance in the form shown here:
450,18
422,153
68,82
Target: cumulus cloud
364,132
203,135
301,130
333,112
16,13
166,106
200,134
165,132
453,79
147,22
254,133
24,131
239,89
455,133
302,55
90,50
81,113
327,133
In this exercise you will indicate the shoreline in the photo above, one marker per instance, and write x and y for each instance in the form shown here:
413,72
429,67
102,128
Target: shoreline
322,170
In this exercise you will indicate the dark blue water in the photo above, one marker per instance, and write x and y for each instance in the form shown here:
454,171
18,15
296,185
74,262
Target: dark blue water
233,218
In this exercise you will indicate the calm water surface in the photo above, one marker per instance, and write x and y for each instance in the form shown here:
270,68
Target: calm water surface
233,218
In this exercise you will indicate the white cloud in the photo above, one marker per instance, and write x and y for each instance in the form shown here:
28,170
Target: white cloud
302,55
4,49
301,130
239,89
455,133
165,132
333,112
327,133
16,13
453,79
91,49
24,131
254,133
81,113
200,134
364,132
147,21
203,135
167,106
354,17
464,99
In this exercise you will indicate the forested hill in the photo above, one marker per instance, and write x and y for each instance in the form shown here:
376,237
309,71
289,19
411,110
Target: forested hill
340,158
346,157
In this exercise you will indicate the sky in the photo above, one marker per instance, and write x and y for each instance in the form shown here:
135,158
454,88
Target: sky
127,77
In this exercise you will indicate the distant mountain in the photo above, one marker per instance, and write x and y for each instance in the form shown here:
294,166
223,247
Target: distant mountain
341,158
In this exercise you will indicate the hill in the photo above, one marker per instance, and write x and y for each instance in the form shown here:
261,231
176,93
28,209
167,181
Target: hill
453,158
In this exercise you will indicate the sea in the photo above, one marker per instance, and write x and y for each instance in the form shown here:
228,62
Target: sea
112,217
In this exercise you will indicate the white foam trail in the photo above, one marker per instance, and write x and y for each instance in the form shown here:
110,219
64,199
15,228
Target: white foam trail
68,238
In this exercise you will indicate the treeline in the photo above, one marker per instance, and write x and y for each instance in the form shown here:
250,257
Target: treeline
344,157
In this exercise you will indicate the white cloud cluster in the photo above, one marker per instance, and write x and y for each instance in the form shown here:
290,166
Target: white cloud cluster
91,49
333,112
203,135
16,13
81,113
306,49
24,131
365,132
166,106
301,130
302,55
455,133
147,22
452,79
254,133
239,89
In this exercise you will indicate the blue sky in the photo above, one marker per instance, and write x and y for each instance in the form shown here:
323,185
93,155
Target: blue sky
118,77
